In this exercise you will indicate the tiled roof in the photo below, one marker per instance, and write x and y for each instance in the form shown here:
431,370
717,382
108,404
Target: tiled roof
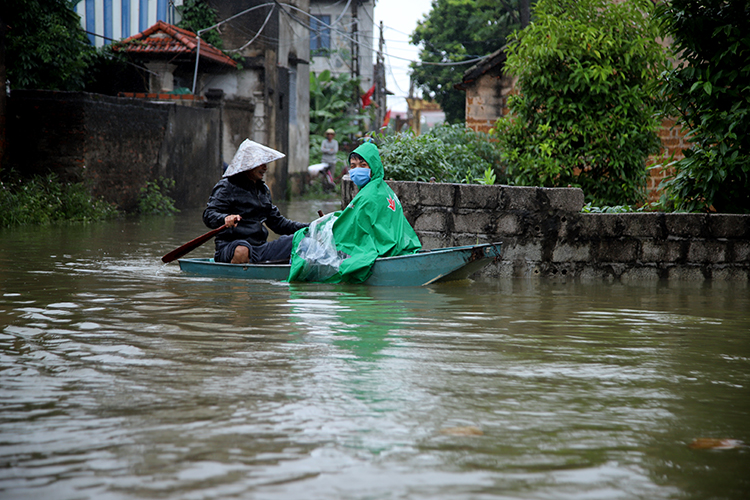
164,39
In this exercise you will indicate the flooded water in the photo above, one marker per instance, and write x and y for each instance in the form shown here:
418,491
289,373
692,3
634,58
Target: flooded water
121,378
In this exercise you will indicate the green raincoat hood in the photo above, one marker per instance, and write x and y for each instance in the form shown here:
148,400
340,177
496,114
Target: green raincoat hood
370,153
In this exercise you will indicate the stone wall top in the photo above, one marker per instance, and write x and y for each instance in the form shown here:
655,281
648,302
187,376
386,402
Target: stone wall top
475,196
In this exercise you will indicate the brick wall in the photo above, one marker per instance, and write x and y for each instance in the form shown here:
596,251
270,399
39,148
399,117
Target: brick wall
673,142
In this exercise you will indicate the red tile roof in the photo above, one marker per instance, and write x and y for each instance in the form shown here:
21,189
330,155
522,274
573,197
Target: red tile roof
164,39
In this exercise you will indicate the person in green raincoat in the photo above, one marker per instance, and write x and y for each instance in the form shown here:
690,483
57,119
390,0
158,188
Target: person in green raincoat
342,246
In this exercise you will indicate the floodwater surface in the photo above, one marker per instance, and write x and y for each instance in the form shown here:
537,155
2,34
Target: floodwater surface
123,378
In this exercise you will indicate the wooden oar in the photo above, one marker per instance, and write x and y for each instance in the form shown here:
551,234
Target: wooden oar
191,245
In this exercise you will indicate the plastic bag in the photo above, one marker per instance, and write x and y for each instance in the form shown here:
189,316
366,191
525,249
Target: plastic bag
318,250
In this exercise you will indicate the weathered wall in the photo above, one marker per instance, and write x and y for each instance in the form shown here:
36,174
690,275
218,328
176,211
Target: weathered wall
544,234
116,144
191,153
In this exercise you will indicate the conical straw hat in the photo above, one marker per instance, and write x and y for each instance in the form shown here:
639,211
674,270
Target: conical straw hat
251,155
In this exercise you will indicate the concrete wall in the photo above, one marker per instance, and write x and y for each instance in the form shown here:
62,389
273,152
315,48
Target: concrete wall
545,235
115,144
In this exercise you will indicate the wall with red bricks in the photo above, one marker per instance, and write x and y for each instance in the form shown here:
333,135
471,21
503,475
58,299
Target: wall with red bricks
673,144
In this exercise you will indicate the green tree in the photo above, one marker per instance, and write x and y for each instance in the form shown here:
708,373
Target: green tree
45,45
455,31
710,93
585,115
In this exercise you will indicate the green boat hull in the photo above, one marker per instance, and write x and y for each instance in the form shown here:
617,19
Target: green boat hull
419,269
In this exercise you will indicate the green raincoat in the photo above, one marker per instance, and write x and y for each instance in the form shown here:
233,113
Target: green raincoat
372,225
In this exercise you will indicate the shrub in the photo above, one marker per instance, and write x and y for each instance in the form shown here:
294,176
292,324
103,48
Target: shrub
448,153
152,201
44,200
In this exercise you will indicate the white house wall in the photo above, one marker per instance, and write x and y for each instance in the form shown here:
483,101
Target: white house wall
107,20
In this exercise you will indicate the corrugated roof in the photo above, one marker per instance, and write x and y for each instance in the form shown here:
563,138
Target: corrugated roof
164,39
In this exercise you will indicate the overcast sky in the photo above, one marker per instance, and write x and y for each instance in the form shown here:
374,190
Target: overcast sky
399,20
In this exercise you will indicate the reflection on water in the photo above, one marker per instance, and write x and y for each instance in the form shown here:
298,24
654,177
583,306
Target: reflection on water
122,378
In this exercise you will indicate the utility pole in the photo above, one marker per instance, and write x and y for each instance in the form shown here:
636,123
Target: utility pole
355,50
380,97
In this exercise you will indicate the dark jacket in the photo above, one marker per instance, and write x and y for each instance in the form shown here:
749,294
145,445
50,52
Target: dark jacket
252,201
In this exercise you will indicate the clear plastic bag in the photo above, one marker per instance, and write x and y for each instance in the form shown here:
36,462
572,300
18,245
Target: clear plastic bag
318,250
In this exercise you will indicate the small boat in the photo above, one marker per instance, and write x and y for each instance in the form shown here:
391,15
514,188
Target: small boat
418,269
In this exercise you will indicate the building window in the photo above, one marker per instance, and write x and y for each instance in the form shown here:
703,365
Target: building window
320,35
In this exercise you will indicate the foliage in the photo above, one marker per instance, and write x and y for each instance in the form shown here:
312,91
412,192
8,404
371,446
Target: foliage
44,200
45,46
332,105
710,92
488,178
585,115
589,208
455,31
448,153
153,201
198,15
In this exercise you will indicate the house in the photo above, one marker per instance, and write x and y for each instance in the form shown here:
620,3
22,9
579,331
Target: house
487,89
259,80
108,21
168,55
341,38
271,42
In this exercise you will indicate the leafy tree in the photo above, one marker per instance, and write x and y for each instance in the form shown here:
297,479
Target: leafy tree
710,93
456,31
198,15
585,115
331,103
45,45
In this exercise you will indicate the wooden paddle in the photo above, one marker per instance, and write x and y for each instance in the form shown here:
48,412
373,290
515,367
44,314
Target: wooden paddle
192,245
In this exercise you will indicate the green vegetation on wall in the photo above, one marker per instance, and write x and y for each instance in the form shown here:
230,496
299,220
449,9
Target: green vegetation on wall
197,15
710,93
154,200
586,113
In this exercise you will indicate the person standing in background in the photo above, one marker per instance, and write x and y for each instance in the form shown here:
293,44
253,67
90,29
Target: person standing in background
329,147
